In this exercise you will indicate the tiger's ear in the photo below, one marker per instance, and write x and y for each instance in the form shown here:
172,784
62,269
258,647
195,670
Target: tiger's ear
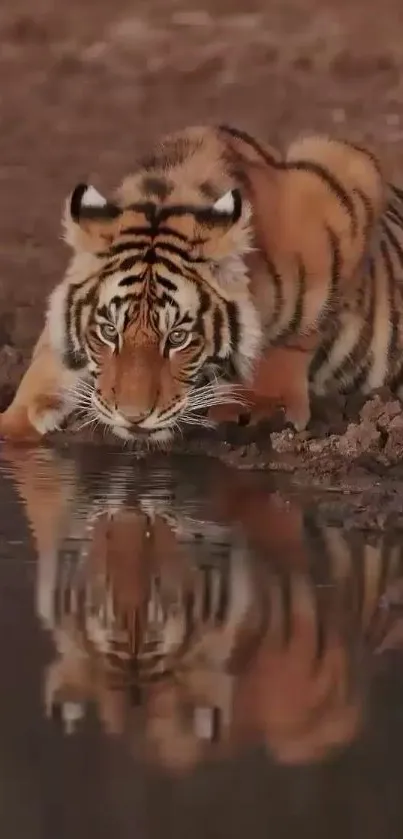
228,209
90,221
227,221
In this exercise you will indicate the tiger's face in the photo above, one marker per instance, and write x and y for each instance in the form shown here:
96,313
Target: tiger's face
155,309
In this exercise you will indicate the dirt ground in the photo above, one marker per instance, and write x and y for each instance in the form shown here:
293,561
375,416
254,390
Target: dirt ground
88,85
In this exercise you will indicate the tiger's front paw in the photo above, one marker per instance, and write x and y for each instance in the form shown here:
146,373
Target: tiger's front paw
46,420
249,413
228,412
279,385
295,411
22,424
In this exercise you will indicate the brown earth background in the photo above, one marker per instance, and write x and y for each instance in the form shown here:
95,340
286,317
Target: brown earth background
88,84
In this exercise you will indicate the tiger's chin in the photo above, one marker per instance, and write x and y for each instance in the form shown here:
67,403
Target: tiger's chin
148,439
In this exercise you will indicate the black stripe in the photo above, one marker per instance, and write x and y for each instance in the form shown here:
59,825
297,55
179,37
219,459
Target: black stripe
224,598
127,318
372,157
185,255
322,354
296,320
206,600
131,280
278,291
168,247
216,725
163,230
166,298
79,211
75,359
204,306
109,269
130,262
165,283
393,241
120,299
233,324
333,184
70,358
186,318
393,315
129,245
171,266
398,191
204,215
321,638
358,357
360,378
138,230
392,214
238,134
369,210
192,274
217,330
147,208
336,270
103,311
293,326
189,605
396,381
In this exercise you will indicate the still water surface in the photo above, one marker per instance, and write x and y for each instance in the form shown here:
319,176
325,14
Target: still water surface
188,651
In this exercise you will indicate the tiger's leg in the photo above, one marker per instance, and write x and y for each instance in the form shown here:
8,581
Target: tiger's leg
280,381
38,405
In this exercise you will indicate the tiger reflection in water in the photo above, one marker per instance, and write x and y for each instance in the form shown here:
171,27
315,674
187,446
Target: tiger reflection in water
195,626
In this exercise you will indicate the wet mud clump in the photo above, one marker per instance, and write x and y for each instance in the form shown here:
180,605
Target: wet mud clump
348,437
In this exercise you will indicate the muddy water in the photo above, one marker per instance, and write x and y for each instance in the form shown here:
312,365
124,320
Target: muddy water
192,650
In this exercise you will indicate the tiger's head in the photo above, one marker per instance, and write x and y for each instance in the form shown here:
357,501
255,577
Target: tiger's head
155,307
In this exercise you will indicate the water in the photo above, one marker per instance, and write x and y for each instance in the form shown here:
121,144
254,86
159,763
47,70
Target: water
189,651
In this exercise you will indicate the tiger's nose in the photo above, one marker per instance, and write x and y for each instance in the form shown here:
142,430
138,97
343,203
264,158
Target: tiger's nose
133,416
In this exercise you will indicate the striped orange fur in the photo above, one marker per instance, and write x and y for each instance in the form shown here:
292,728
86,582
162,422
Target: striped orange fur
221,273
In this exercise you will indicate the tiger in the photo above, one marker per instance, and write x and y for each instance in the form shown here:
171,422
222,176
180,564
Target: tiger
223,277
190,634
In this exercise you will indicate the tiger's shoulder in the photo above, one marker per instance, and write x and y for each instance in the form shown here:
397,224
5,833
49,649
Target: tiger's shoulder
316,182
289,196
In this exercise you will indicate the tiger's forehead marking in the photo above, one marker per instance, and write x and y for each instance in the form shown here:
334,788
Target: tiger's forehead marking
183,300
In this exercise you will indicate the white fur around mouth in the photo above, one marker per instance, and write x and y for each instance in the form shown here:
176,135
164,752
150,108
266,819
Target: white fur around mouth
164,435
120,427
124,431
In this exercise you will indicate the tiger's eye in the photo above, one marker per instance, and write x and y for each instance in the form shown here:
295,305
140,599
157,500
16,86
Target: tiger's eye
108,331
178,337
